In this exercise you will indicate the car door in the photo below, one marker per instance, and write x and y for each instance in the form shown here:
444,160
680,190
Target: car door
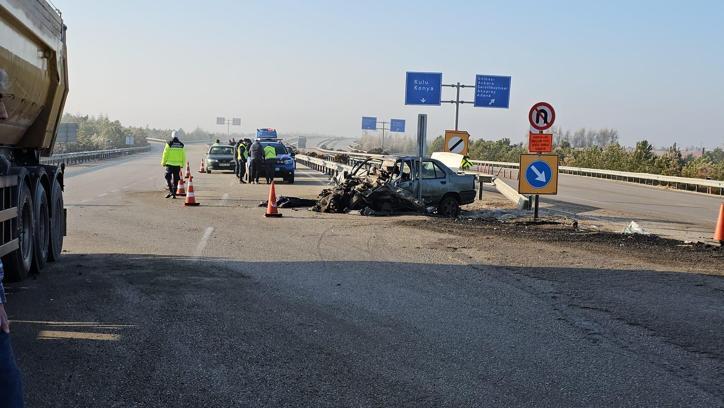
405,175
434,182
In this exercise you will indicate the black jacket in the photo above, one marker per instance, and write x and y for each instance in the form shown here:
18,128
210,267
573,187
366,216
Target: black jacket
256,151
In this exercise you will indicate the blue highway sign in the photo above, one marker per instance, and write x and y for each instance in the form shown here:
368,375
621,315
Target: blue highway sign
492,91
397,125
423,88
369,123
538,174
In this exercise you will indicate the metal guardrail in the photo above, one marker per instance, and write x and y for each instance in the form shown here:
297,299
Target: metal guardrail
325,166
83,157
714,187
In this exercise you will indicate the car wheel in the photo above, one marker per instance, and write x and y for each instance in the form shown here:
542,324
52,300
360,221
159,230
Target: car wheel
449,207
290,179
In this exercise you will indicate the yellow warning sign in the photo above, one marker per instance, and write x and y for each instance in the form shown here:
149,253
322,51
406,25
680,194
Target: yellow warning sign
457,141
538,174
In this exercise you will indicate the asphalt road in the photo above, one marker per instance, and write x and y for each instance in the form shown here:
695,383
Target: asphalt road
158,305
671,213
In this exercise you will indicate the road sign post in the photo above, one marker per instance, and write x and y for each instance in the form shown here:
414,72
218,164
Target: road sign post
371,123
539,176
457,100
540,142
421,139
397,125
457,141
492,91
228,122
423,88
542,116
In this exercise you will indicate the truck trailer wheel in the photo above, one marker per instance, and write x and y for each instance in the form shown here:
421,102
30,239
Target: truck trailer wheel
57,222
18,263
42,228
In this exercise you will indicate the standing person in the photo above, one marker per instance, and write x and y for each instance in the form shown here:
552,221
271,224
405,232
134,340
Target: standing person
241,156
270,159
256,161
11,388
247,146
174,157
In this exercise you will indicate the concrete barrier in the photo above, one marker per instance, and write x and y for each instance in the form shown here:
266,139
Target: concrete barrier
512,194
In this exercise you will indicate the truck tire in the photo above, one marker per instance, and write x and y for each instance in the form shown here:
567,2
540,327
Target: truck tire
57,222
41,213
18,263
449,206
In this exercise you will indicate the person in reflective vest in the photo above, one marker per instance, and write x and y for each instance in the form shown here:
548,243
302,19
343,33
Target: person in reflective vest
270,159
173,159
242,155
466,163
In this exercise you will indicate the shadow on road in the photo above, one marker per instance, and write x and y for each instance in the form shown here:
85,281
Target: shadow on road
179,331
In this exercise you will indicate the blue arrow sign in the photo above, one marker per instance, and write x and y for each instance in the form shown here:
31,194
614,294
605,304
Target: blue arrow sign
397,125
369,123
492,91
538,174
423,88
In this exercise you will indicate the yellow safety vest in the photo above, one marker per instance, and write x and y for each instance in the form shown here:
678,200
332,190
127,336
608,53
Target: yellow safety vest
270,152
173,154
466,164
241,152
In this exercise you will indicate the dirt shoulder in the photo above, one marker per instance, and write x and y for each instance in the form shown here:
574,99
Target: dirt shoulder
558,241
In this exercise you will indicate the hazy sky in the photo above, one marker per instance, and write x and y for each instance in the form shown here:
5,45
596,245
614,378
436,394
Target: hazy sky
651,69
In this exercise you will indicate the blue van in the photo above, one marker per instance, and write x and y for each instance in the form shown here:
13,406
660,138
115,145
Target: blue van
286,164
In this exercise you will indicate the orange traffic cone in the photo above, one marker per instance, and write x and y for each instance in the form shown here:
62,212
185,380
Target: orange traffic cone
719,231
190,196
188,170
271,206
181,188
202,169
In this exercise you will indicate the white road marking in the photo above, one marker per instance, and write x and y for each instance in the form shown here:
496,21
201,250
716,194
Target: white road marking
102,195
225,197
202,244
114,191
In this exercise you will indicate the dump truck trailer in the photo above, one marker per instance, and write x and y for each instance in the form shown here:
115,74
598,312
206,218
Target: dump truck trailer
33,89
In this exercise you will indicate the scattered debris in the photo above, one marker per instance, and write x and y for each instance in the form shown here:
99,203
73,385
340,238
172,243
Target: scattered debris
290,202
635,228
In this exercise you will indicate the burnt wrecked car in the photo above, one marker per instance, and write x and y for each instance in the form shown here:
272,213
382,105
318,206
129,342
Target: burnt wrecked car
374,187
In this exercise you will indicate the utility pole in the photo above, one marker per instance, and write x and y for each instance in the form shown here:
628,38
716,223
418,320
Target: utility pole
383,128
457,100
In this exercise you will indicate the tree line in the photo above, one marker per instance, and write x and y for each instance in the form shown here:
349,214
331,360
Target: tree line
101,133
